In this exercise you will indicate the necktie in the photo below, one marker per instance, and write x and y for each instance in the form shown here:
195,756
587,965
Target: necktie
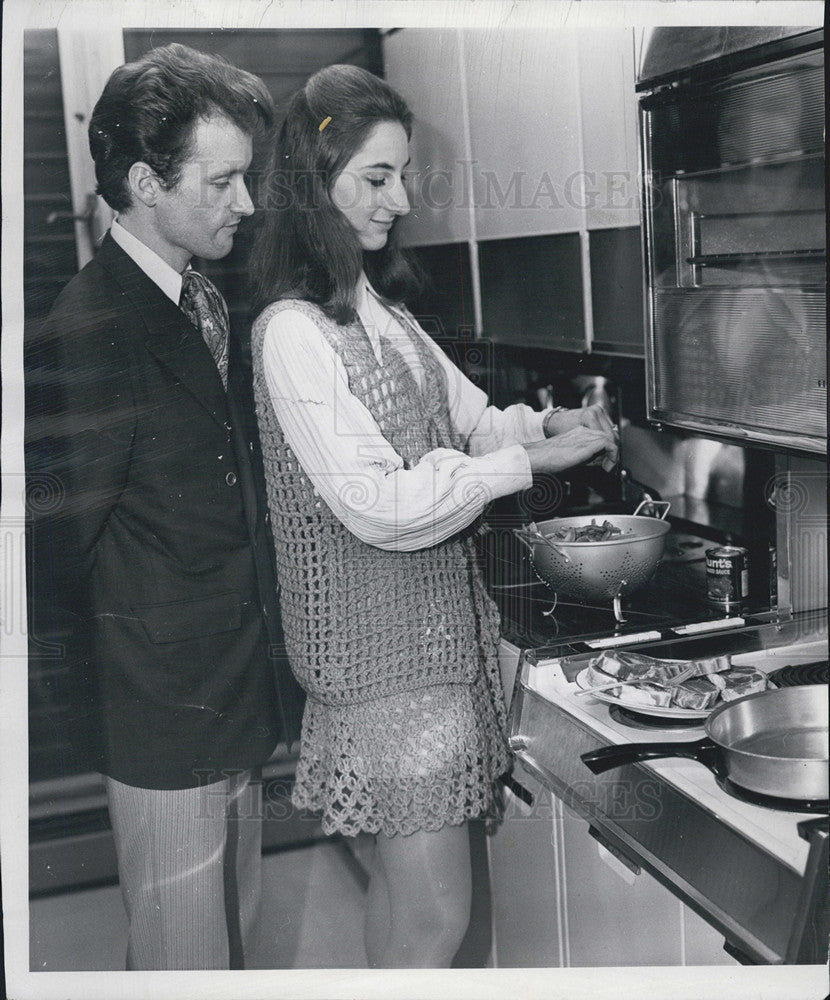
204,306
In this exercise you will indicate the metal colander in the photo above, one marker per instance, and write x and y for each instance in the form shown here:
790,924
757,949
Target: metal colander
600,571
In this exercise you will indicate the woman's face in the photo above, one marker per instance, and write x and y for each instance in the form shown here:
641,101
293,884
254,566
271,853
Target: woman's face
369,191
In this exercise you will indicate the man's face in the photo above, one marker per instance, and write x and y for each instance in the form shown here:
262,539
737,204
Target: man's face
199,215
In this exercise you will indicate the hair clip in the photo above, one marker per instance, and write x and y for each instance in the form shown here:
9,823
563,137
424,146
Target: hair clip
323,123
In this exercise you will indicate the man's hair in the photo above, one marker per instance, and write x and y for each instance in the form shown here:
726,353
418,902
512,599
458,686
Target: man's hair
305,247
149,109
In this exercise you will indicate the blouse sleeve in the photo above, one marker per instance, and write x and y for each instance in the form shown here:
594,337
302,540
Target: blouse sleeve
351,465
485,428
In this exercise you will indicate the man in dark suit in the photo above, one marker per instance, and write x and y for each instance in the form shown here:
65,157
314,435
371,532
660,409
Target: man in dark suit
159,539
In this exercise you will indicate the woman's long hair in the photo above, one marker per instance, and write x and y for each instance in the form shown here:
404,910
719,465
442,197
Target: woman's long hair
305,247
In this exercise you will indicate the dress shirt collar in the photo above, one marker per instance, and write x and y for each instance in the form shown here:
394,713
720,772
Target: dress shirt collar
157,270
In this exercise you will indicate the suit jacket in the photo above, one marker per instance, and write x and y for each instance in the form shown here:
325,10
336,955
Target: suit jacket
157,535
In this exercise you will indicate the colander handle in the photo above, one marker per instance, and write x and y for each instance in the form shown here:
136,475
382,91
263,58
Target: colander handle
529,540
657,508
524,538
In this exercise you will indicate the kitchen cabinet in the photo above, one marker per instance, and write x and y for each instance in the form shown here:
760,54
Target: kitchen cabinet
620,916
524,138
608,108
528,922
553,130
615,917
617,290
702,944
532,291
444,307
425,66
536,131
561,899
524,111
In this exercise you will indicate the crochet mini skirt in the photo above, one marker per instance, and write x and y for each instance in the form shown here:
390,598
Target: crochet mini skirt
405,762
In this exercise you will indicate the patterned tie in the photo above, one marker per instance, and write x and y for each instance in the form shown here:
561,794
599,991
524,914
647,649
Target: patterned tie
204,306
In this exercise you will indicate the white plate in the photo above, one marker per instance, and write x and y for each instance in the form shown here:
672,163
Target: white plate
661,711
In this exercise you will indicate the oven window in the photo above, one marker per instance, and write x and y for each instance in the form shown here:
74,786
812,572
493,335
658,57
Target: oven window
761,113
751,357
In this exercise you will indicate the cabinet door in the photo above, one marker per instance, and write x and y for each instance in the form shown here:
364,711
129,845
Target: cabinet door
525,886
523,97
609,127
614,916
424,66
702,944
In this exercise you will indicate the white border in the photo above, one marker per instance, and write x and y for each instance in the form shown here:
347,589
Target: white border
769,983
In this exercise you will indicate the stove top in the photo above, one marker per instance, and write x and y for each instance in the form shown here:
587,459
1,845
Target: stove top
632,719
550,673
795,674
534,616
773,801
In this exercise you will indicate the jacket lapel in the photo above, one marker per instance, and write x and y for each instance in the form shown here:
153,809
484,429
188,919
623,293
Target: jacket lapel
169,335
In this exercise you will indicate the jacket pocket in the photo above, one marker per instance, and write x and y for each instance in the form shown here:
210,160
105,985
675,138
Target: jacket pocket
193,619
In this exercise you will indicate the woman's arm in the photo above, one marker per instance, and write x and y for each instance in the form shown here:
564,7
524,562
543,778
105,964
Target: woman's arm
487,428
355,470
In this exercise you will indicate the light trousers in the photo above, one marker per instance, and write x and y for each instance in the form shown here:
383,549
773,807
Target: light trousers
190,868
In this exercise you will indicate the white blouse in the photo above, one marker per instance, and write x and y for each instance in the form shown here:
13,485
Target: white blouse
355,470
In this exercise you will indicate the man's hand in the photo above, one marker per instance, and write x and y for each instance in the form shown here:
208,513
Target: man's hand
573,447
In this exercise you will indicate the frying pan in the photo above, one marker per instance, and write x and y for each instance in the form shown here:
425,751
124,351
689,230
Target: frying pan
771,743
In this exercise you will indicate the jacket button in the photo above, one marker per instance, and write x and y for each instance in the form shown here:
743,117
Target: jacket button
230,479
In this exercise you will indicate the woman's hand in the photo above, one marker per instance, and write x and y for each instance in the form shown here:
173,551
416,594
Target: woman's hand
573,447
595,417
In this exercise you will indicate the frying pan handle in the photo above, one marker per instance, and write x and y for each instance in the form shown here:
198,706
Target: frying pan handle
809,828
607,758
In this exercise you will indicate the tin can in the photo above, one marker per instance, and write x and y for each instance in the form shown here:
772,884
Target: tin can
727,575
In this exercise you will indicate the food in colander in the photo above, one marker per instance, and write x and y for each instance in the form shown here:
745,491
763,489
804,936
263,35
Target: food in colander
592,532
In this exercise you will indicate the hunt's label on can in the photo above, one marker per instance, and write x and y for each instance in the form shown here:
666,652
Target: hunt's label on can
727,575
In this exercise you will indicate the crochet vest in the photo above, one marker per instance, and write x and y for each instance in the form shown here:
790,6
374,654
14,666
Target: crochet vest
361,622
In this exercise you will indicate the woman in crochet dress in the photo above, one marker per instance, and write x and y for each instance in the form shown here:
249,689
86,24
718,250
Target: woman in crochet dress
379,456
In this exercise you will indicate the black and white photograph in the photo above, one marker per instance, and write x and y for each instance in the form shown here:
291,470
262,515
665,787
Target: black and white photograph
414,500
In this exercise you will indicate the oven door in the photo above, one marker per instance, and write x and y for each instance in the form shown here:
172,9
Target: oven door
736,253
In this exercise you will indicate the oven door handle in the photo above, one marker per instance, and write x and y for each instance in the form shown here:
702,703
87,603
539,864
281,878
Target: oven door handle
518,789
